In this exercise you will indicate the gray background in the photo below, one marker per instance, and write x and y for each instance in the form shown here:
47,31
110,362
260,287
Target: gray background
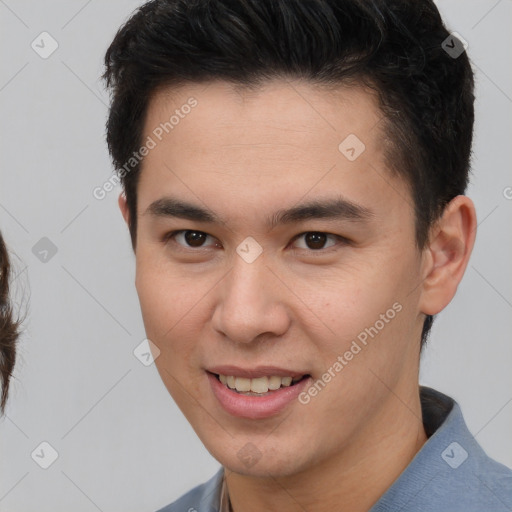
122,443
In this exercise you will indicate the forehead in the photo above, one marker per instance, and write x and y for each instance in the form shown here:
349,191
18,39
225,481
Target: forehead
295,111
275,143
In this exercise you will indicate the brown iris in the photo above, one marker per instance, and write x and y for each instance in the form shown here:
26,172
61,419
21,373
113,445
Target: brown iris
195,238
315,240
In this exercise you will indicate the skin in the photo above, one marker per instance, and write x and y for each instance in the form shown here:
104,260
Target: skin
244,155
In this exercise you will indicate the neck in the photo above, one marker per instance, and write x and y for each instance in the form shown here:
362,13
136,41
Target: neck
352,479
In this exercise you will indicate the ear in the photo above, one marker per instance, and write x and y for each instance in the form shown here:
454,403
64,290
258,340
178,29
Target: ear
445,258
123,206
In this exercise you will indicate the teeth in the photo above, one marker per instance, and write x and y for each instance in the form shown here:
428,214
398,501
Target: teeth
242,384
287,381
257,385
274,382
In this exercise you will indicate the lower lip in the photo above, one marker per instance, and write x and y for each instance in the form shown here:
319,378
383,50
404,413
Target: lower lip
255,407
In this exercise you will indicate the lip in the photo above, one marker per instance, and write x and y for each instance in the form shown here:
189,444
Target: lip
254,373
256,407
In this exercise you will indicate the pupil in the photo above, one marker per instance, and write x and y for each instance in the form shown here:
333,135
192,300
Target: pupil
315,240
194,238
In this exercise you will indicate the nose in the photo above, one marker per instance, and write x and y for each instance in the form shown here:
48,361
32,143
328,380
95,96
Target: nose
251,303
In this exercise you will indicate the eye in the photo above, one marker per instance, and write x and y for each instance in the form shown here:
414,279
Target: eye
316,240
189,238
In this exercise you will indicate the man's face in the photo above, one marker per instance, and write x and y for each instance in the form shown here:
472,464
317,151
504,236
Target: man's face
322,288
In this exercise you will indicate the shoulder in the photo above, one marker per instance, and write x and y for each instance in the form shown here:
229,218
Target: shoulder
478,483
451,472
495,480
203,498
471,480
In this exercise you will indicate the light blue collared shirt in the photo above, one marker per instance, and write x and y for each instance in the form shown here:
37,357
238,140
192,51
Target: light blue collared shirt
451,472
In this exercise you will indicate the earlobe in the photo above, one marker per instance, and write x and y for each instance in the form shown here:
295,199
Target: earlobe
447,255
123,206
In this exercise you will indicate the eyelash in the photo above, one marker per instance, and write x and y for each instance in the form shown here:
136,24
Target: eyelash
171,236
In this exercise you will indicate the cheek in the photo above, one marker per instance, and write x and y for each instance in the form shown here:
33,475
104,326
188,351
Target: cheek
167,307
155,297
173,312
164,301
364,302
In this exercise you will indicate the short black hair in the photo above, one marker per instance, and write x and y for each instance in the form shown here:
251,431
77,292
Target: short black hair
395,47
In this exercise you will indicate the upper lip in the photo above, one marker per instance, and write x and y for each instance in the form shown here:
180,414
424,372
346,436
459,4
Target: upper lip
255,372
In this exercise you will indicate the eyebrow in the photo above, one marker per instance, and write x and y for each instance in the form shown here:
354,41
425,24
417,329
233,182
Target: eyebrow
335,208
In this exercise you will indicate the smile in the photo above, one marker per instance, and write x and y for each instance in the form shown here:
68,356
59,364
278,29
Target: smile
258,396
259,386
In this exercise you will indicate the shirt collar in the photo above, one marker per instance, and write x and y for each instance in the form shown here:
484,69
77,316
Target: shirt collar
430,473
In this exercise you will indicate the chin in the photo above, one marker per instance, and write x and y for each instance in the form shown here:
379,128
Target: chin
260,469
253,460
